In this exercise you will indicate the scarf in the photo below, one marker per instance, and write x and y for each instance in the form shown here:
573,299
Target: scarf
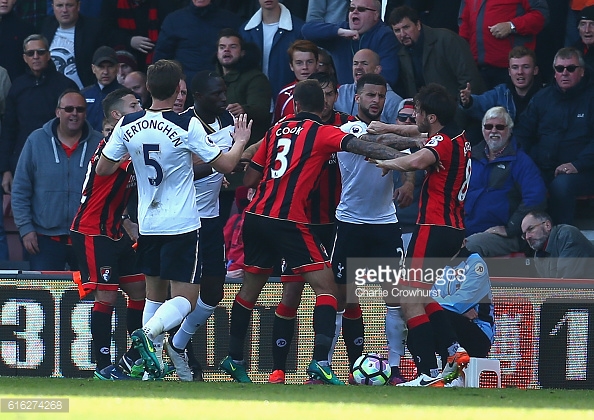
127,21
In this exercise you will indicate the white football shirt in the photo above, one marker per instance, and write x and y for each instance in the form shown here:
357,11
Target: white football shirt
366,196
161,146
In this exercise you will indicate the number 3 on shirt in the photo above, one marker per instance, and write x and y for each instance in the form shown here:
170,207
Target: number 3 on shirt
148,161
283,148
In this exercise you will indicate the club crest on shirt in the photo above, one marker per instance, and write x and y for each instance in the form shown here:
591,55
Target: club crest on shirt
434,141
105,273
210,142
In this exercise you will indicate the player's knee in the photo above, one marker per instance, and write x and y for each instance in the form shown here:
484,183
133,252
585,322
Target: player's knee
106,297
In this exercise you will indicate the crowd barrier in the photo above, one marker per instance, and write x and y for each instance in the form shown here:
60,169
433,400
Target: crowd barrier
543,339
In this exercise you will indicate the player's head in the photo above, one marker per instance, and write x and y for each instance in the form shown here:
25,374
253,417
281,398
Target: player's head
303,58
371,96
328,84
118,103
162,79
434,105
209,92
180,102
309,97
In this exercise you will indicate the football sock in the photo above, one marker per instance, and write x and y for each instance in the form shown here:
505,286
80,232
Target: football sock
445,337
283,329
337,328
421,345
241,312
169,315
190,325
134,322
353,331
324,324
101,333
395,334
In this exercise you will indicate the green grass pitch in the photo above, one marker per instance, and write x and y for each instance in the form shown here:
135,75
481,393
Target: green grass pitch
89,399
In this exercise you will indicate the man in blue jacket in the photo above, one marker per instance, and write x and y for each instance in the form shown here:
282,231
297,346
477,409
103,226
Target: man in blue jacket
273,29
514,95
505,185
364,29
556,132
48,183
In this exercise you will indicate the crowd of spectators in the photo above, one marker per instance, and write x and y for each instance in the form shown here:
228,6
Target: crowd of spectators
498,55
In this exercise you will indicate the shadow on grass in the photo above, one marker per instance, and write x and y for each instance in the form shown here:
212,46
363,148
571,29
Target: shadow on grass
228,391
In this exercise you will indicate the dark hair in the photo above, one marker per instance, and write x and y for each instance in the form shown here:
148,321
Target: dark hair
113,99
163,79
66,92
540,215
228,33
435,99
325,79
201,80
403,12
303,45
325,53
310,96
370,79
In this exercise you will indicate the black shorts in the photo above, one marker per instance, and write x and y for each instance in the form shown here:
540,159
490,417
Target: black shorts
267,241
104,263
470,336
211,249
364,241
325,234
171,257
432,247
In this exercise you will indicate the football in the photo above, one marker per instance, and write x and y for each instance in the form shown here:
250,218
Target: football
371,369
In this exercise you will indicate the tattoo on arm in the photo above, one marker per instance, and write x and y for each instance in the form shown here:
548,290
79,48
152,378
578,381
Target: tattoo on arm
371,149
390,139
409,177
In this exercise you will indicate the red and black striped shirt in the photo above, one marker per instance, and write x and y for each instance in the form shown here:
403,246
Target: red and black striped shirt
291,159
104,199
441,202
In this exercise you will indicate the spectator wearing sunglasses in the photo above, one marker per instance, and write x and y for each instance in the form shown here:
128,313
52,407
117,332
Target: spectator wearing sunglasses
366,61
556,131
48,183
364,28
505,185
30,103
514,95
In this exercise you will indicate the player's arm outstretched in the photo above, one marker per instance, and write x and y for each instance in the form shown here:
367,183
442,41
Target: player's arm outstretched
226,162
371,149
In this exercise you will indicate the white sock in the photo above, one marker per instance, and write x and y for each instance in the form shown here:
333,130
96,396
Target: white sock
150,307
395,334
169,315
336,334
193,321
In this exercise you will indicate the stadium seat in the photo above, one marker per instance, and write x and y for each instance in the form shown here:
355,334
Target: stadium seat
476,367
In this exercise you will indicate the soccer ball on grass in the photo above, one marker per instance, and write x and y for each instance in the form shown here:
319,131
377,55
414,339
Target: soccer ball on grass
371,369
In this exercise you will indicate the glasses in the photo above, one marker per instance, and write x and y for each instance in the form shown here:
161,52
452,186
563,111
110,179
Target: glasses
31,53
70,108
499,127
360,9
530,229
404,117
571,68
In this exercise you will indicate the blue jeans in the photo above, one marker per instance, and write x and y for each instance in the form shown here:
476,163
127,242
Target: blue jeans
52,256
563,190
